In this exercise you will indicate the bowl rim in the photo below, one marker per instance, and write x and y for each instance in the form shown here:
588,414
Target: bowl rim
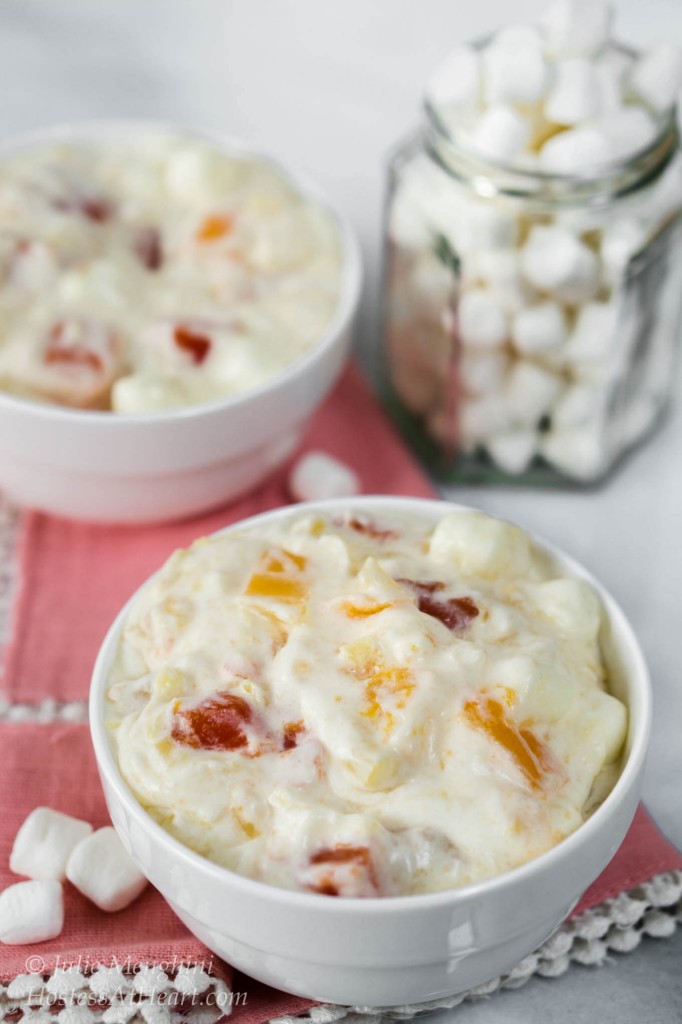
107,129
434,509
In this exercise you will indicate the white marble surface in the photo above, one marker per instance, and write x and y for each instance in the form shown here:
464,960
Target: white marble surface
330,85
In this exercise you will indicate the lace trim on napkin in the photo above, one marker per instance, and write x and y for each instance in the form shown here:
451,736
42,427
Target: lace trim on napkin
151,996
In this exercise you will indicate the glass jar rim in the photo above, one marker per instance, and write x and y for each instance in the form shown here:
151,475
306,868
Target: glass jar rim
603,182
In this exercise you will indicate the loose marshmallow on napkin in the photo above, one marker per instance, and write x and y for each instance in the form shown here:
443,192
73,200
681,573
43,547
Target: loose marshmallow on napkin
75,577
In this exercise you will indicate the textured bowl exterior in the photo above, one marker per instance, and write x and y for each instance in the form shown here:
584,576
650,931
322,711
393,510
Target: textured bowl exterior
383,952
115,468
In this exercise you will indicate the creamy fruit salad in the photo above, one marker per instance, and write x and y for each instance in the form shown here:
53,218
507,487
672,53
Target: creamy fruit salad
145,275
365,706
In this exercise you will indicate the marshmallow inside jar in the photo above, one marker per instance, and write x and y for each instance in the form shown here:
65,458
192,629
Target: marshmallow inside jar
533,252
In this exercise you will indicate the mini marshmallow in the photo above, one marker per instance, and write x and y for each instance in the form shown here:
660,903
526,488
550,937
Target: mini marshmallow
514,73
574,96
102,870
487,225
576,28
513,452
540,328
482,321
611,69
577,453
500,133
481,419
31,912
518,37
594,332
627,131
576,150
499,270
44,843
457,80
530,392
316,476
619,242
578,404
554,260
496,268
482,373
657,75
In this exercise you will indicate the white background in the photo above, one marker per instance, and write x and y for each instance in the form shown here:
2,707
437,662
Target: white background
331,85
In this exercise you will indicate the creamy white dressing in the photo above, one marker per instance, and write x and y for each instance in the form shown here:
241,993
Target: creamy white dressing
401,708
147,275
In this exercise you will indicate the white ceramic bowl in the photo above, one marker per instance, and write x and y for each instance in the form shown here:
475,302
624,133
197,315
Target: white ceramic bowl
395,950
122,468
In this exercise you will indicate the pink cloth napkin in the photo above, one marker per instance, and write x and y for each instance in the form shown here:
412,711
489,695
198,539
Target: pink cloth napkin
74,579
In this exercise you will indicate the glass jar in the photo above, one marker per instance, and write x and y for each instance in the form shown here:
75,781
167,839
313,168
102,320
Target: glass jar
530,320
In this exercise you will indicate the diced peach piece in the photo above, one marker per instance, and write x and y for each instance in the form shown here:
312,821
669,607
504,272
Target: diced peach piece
279,577
533,758
356,611
215,226
272,585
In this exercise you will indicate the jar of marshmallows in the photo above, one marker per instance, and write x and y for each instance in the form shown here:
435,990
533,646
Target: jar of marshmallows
533,277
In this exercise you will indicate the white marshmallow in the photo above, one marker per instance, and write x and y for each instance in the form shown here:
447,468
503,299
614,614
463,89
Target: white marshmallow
31,912
44,843
554,260
457,79
579,404
482,321
102,870
496,268
513,452
499,270
574,96
530,393
540,328
316,476
577,453
518,37
486,225
627,131
611,69
500,133
594,332
575,150
514,73
657,75
481,419
576,28
482,373
619,242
